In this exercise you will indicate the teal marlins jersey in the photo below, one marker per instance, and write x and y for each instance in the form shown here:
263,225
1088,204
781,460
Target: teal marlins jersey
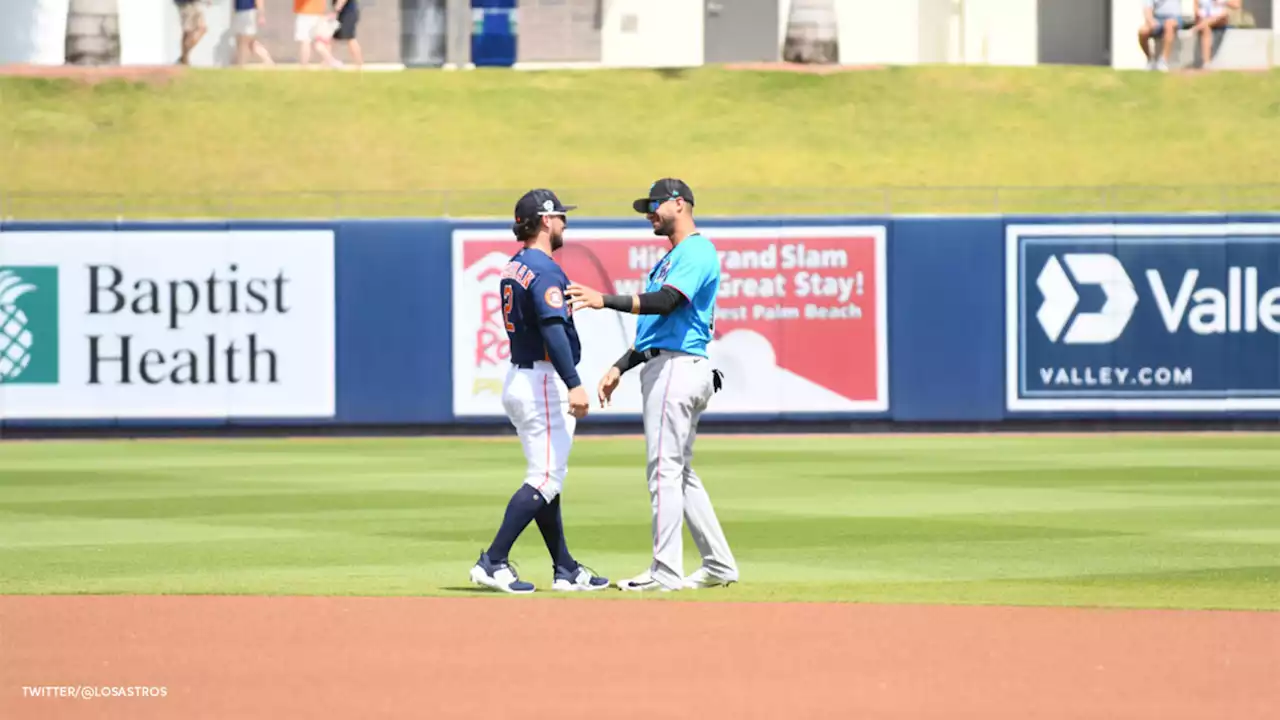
693,268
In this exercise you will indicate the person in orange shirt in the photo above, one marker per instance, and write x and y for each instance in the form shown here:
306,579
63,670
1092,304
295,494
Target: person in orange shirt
313,26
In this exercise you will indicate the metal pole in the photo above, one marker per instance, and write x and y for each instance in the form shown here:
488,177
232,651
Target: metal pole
458,44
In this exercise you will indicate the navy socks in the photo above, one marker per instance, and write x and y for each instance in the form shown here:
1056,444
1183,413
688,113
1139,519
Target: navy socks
524,506
552,529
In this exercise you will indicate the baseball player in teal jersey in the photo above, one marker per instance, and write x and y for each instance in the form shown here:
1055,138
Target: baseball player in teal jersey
677,317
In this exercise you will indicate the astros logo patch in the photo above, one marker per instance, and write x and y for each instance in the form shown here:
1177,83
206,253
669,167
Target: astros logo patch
554,298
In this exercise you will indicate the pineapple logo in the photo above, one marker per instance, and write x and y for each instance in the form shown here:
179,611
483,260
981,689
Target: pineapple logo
28,325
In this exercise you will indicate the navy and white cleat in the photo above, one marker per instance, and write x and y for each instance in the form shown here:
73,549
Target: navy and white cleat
498,576
579,579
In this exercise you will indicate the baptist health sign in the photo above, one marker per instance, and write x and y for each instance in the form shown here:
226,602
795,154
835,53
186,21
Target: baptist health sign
166,324
1132,317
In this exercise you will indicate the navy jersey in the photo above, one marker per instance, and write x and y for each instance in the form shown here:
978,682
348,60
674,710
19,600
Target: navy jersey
532,290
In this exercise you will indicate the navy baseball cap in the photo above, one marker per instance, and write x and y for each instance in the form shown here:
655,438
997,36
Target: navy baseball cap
662,191
539,202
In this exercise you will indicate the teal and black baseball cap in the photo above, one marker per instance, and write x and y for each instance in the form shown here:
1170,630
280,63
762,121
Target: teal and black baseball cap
660,192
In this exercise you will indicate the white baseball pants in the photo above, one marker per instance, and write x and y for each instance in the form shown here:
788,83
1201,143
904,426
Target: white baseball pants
537,403
676,388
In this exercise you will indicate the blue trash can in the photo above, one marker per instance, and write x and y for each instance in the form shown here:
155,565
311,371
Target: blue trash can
493,33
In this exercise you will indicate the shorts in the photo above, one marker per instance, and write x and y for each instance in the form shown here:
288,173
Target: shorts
245,22
1162,19
192,15
310,27
347,19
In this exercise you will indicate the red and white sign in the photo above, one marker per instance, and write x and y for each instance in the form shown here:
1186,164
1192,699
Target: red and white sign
801,322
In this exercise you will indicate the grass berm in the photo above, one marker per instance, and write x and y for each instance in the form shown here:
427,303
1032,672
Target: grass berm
219,143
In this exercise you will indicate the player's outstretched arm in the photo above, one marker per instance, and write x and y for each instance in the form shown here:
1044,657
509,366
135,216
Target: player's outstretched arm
661,302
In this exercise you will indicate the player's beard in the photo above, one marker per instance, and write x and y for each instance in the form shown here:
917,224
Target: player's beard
557,240
665,227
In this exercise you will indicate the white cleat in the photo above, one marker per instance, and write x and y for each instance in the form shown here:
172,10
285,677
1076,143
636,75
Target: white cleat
643,582
703,578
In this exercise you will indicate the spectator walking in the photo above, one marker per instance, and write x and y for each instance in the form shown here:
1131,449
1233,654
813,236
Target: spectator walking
348,14
191,13
313,26
249,16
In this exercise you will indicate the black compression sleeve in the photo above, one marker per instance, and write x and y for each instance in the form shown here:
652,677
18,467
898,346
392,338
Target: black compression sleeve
631,358
621,303
661,302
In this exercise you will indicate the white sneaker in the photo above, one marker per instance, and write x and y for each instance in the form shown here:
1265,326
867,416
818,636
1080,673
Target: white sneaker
643,582
1162,66
704,578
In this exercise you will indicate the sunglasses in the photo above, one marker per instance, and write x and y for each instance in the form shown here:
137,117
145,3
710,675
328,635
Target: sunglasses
655,204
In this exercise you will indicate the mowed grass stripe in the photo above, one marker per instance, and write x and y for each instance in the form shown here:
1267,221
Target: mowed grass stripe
810,518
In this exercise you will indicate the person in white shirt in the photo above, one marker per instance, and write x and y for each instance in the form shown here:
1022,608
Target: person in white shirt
1161,19
1210,15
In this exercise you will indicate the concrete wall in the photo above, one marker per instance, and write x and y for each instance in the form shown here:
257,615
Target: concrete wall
1000,32
560,31
875,32
33,31
940,23
1126,18
151,34
653,33
909,32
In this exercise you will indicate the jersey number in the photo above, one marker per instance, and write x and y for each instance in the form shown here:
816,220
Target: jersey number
507,295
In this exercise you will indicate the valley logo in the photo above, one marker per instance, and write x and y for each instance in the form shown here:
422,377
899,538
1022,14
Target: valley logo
28,325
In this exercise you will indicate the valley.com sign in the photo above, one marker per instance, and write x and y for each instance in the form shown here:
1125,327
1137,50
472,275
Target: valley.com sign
1142,318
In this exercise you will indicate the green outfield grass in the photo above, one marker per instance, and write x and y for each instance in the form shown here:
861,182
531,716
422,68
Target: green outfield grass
430,143
1149,521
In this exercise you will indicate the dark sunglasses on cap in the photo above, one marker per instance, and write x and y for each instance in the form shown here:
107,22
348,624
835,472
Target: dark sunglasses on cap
655,204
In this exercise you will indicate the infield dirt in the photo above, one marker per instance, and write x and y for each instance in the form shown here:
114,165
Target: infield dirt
347,657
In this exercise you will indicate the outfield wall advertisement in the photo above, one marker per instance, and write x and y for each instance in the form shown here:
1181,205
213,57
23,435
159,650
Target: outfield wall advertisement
370,323
1143,317
800,323
167,324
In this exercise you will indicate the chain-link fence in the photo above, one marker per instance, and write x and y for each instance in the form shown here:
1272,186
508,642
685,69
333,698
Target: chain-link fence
597,202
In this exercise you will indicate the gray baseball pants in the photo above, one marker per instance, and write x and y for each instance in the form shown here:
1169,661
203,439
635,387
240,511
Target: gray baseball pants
676,388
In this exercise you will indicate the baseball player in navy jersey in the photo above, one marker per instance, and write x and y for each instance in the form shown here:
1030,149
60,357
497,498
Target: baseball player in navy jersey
677,316
542,395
